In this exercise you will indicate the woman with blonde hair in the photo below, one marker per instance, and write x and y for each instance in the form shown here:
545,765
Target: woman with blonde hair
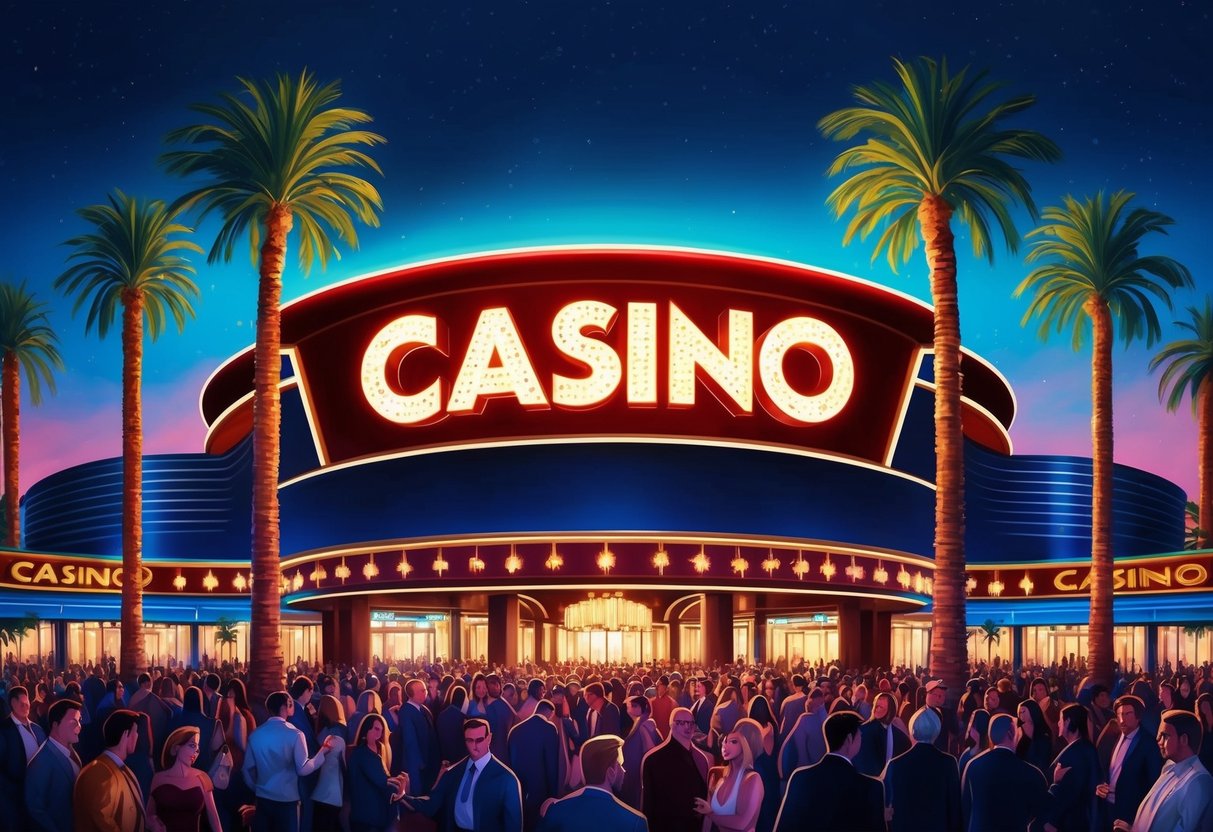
736,791
180,793
330,787
371,791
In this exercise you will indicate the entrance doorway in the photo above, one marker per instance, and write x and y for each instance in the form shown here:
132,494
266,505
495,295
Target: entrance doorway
812,639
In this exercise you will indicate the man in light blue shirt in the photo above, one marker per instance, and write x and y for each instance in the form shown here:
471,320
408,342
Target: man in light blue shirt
275,760
1182,797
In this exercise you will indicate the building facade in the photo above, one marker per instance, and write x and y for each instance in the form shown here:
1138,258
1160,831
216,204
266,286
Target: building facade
606,453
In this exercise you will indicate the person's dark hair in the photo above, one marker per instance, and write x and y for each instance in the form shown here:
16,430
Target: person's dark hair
979,721
1074,717
59,710
276,701
838,727
760,711
191,702
534,688
300,686
112,686
1001,727
117,724
15,691
212,682
799,682
144,679
1134,702
1096,690
456,695
1041,729
545,706
476,722
1186,725
641,702
595,688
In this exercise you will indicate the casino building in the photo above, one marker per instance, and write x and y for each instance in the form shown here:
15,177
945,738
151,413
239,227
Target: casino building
605,453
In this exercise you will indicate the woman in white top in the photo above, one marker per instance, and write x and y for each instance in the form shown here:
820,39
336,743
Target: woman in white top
736,790
330,786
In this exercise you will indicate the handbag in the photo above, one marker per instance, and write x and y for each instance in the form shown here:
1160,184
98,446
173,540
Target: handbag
221,769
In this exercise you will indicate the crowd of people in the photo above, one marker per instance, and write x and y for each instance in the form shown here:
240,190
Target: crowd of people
669,747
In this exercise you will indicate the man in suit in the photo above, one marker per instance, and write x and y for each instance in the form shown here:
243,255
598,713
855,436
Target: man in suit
1135,764
578,709
159,714
882,740
805,745
949,731
922,786
20,738
1076,772
534,747
672,775
107,795
603,714
52,772
210,694
999,791
833,794
501,717
702,707
274,762
415,743
596,806
477,794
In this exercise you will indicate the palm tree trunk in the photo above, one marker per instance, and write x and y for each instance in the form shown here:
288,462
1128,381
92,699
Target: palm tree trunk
132,659
1204,517
266,671
10,411
1099,642
949,646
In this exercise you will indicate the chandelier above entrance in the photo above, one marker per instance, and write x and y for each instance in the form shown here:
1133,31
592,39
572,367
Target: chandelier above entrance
608,612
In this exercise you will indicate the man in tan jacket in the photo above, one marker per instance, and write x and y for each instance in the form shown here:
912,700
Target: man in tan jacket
107,797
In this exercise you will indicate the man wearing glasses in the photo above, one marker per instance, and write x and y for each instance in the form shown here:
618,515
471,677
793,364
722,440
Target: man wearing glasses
672,775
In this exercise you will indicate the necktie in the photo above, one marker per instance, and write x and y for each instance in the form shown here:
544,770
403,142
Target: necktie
469,778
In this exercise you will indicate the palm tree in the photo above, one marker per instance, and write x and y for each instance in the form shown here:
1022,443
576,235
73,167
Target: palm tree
1194,535
277,155
226,635
26,341
1190,368
1093,276
130,260
991,634
935,147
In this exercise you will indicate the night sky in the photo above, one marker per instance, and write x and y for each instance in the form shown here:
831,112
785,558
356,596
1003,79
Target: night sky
515,124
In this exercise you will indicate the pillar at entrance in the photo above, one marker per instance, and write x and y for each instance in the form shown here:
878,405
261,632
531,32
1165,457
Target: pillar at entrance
882,639
675,640
358,630
716,628
503,629
850,633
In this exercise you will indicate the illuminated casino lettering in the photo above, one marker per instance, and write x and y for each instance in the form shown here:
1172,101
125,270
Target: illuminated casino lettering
1137,577
497,364
72,575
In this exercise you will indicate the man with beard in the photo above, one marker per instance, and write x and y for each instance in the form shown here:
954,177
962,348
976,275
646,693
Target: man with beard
672,775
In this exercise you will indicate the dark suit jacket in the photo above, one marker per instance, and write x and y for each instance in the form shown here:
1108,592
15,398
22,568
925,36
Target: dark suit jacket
923,787
1001,792
12,773
48,790
496,800
534,747
449,726
701,712
592,809
1142,765
1074,807
831,796
93,691
415,748
368,789
671,778
160,716
608,720
500,716
871,757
